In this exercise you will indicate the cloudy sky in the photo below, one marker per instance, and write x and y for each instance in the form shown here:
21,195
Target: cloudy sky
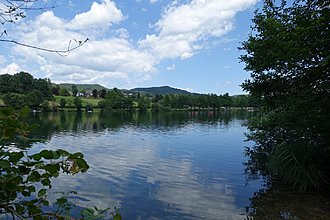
187,44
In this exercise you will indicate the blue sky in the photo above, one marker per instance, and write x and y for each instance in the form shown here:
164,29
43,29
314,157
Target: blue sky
187,44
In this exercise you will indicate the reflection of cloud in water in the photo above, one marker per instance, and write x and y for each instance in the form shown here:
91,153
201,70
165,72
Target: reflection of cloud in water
118,159
180,187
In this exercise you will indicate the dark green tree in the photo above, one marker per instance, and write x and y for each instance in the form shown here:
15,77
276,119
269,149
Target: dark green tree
45,87
143,103
15,100
74,90
78,103
6,84
288,56
94,93
23,82
64,92
56,89
103,92
45,105
34,99
62,103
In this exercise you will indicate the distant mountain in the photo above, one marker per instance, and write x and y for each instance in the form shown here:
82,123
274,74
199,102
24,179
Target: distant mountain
80,87
162,90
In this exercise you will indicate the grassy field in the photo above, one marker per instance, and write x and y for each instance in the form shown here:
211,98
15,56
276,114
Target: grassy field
69,99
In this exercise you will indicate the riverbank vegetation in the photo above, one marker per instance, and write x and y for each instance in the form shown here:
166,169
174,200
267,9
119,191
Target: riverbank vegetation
287,54
22,89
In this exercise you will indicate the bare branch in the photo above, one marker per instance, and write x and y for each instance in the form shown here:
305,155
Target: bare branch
62,53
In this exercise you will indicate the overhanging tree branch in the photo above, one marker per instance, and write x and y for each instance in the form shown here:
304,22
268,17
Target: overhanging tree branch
59,52
13,10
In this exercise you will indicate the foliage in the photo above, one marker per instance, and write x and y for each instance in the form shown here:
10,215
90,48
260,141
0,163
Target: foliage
64,92
15,100
288,56
103,92
95,93
62,103
26,177
115,99
24,83
78,103
74,90
45,106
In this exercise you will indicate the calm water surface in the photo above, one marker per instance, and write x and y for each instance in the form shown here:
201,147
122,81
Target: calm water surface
181,165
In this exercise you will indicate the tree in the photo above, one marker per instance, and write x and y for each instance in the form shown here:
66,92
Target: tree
74,90
45,87
287,54
78,103
6,84
45,105
23,82
103,92
34,99
56,89
94,93
15,100
64,92
143,103
62,103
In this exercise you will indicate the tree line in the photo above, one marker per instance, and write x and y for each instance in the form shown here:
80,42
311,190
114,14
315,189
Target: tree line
115,99
287,54
21,89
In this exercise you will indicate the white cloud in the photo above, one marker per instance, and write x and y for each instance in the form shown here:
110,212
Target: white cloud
122,33
184,28
170,68
11,69
153,1
99,16
111,58
110,61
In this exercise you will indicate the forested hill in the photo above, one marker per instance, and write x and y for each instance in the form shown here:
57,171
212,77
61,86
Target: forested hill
162,90
80,87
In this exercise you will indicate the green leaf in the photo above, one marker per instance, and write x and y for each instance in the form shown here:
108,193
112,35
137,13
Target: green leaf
15,157
61,200
26,193
36,157
52,168
42,192
4,164
49,154
31,188
76,155
62,153
34,176
82,164
45,182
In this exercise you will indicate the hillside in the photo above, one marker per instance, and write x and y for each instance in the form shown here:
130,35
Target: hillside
162,90
80,87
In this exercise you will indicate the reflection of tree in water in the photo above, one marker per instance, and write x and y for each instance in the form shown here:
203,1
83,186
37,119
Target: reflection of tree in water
280,203
49,123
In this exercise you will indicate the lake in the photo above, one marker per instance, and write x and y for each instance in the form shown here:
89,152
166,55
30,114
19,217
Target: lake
172,165
169,165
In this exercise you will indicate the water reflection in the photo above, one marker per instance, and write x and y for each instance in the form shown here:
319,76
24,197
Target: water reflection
179,165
